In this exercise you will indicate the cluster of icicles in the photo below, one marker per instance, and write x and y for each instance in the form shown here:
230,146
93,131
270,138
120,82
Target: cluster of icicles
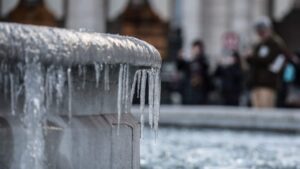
44,86
56,78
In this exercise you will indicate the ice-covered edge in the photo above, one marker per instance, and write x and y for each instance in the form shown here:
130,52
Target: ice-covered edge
69,47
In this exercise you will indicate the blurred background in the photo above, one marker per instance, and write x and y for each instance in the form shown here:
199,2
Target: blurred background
172,26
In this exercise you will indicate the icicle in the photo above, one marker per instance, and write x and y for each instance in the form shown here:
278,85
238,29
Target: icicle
156,100
12,94
84,71
150,96
21,69
60,85
80,70
6,86
70,86
120,86
123,83
19,86
97,73
133,86
127,89
50,80
139,78
142,98
33,156
106,78
47,83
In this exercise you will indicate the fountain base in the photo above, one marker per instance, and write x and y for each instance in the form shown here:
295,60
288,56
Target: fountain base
89,142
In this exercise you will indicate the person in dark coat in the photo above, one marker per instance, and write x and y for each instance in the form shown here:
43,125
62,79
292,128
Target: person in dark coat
266,64
181,74
196,78
229,72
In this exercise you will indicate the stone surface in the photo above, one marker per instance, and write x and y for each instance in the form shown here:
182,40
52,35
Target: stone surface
89,142
230,117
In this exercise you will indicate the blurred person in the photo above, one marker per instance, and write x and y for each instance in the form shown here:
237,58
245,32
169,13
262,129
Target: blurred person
292,79
266,62
195,83
297,66
181,73
229,71
289,75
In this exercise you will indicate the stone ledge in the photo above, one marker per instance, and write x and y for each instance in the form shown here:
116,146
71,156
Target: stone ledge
230,117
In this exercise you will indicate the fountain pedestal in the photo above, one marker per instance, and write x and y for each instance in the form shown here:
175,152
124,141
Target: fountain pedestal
65,98
89,142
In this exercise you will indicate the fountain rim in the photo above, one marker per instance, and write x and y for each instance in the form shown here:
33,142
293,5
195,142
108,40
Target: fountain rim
69,47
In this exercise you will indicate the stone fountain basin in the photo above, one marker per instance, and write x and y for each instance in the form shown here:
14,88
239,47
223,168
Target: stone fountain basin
83,132
69,49
90,142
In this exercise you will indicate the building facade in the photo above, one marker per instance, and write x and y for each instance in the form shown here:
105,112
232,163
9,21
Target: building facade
196,19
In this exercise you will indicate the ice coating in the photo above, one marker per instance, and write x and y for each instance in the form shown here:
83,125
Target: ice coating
57,49
69,47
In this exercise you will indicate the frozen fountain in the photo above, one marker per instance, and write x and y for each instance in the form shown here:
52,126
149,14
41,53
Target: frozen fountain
65,98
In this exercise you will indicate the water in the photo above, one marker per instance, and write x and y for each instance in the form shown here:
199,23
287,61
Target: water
219,149
41,66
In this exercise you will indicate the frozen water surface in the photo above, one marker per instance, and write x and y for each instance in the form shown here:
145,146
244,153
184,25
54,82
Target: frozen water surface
219,149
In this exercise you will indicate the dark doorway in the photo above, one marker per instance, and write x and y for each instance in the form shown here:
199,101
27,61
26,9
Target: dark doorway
139,20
